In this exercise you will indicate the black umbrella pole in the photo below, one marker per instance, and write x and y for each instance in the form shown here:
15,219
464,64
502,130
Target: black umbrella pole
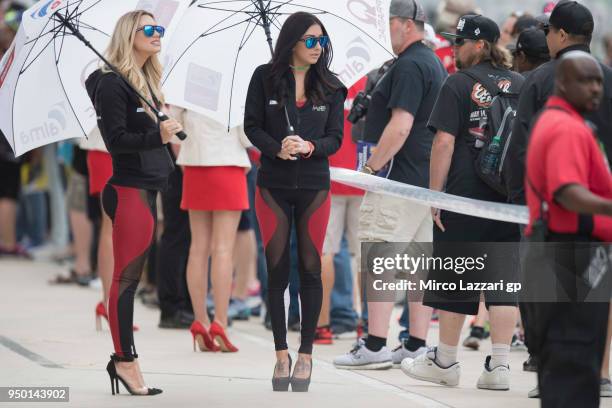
162,116
266,25
265,22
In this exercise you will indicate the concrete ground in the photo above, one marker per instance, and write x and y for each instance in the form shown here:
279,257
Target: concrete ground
48,338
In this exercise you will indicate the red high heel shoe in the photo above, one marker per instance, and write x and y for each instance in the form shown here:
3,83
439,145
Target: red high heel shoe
101,313
218,334
202,337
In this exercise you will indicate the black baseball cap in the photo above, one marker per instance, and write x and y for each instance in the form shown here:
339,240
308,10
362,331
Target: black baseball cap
543,20
475,27
573,18
523,23
533,43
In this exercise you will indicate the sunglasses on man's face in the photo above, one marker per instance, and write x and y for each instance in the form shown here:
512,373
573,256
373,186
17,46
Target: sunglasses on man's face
311,42
459,41
149,30
547,28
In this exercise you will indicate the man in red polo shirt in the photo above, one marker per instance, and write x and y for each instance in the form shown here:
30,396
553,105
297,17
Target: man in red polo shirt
565,161
567,169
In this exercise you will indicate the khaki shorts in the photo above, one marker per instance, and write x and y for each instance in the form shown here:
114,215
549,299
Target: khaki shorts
389,219
77,193
344,217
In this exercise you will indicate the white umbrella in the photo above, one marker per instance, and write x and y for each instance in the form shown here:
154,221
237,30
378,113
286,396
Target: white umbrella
218,44
42,75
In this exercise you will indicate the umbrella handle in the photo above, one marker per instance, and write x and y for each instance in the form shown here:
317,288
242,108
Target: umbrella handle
163,117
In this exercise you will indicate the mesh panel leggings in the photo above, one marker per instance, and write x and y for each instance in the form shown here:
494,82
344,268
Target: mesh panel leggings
277,209
133,212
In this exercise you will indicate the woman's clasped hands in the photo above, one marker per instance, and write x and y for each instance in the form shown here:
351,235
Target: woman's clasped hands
292,146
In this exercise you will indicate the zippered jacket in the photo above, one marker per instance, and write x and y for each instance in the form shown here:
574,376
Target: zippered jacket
131,136
265,124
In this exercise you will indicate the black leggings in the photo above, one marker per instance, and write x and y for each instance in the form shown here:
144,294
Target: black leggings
133,212
277,209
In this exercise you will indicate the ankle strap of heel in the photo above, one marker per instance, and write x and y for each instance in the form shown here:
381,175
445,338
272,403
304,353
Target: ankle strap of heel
125,359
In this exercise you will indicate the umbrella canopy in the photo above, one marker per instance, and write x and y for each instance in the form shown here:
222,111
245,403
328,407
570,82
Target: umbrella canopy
218,44
42,75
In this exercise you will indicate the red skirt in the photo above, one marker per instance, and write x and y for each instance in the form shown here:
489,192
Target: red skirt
214,188
100,167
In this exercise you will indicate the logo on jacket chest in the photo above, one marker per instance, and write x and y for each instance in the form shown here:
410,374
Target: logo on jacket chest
321,108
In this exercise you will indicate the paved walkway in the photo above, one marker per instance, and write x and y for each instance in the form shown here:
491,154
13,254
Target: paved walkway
48,338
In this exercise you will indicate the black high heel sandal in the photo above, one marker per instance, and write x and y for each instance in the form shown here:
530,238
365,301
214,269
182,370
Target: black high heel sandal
281,383
301,384
115,378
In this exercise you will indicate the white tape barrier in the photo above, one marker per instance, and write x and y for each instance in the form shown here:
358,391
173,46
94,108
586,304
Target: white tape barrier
468,206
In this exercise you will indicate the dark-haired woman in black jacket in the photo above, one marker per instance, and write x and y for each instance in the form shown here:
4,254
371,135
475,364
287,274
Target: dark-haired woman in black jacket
294,114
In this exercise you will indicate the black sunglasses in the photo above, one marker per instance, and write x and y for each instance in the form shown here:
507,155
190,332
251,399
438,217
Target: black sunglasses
149,30
459,41
311,42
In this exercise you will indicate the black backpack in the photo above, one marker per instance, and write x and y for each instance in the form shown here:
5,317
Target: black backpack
489,161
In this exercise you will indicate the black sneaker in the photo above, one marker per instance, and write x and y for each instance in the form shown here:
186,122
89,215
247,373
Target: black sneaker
180,320
531,364
477,334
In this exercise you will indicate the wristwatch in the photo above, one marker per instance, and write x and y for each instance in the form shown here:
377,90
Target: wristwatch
367,169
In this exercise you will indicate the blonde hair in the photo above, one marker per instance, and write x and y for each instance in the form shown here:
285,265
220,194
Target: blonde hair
498,56
120,53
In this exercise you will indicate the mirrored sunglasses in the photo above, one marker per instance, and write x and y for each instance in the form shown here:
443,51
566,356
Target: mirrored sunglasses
150,30
311,42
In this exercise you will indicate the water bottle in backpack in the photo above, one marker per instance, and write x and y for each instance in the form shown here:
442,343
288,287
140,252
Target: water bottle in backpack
489,161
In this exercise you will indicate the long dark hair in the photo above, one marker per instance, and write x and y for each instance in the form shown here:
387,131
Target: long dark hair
318,80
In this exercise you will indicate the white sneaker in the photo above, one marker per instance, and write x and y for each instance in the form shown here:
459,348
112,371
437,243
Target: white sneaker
605,388
95,284
360,358
400,353
425,368
535,393
348,335
497,378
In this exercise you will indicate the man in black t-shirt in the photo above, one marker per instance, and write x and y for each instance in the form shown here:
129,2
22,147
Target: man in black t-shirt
458,119
570,28
401,104
397,118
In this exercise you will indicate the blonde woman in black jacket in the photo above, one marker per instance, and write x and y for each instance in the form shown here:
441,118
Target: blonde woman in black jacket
141,165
